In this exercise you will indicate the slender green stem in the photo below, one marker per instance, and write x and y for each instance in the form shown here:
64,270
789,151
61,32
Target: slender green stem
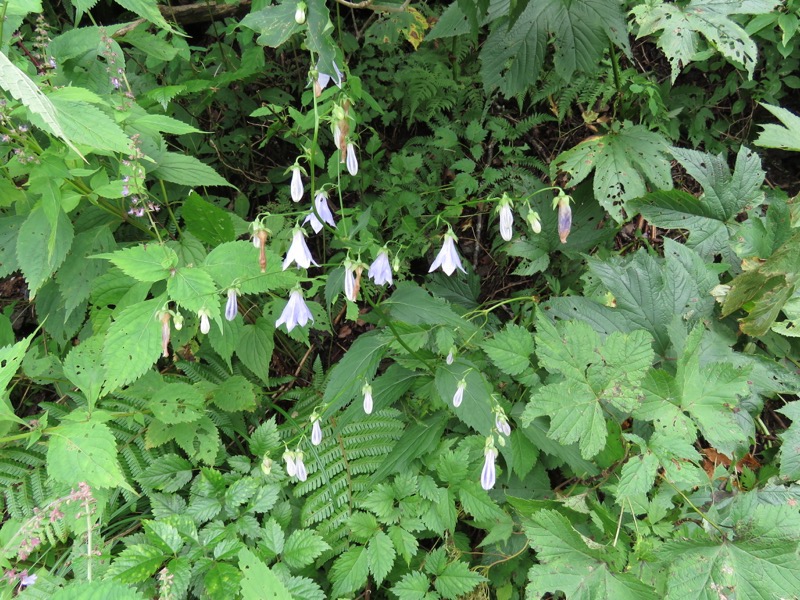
705,517
615,68
168,207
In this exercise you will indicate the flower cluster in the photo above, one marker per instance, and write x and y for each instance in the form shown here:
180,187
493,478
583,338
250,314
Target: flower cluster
295,467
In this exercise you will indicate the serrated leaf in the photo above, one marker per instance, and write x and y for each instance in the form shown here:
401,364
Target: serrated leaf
235,264
636,478
475,409
456,580
510,349
357,366
164,535
413,586
380,551
79,272
169,472
623,162
84,452
89,126
255,347
258,580
42,246
302,547
276,24
680,26
146,262
350,571
10,360
177,403
207,222
97,590
786,137
725,196
234,394
133,343
265,438
187,170
193,289
83,366
790,447
148,10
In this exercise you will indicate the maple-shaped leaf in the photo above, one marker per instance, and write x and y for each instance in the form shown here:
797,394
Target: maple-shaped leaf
623,160
682,26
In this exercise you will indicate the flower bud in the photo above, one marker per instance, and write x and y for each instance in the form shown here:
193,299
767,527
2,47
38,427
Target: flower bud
296,187
300,13
232,306
564,216
534,222
316,433
205,324
266,465
352,160
367,391
458,397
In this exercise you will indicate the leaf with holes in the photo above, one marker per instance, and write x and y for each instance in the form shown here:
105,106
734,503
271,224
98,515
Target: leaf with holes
623,160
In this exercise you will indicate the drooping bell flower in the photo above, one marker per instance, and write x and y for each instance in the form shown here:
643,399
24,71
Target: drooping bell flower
564,215
458,397
367,391
205,324
302,474
300,13
316,430
351,160
232,305
296,187
323,210
448,258
534,222
296,311
298,251
450,356
501,423
380,271
489,473
506,218
291,465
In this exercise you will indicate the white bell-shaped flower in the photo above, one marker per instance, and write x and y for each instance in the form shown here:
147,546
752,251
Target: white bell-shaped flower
296,312
458,397
296,187
232,306
298,251
324,212
367,391
302,473
351,161
380,271
489,474
448,258
316,433
506,219
205,324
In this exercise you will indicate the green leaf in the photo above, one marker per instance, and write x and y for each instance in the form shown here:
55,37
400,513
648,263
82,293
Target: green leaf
235,394
350,571
177,403
193,289
255,347
319,38
79,272
148,10
623,161
510,349
84,452
42,246
133,343
413,586
775,136
275,23
168,472
381,555
265,438
220,579
302,547
21,87
146,262
10,360
790,447
207,222
476,407
83,366
9,232
186,170
456,580
97,590
89,126
258,580
709,218
636,478
235,264
680,26
357,367
164,535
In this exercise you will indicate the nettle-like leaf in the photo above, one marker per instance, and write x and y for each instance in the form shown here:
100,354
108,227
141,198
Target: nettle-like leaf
302,547
571,564
42,245
682,26
711,218
275,23
510,349
786,137
790,448
648,293
597,376
759,560
259,582
185,169
623,160
235,264
145,262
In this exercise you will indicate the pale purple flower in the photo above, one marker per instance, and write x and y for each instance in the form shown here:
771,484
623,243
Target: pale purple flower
489,474
298,251
316,433
322,209
458,397
506,220
205,324
448,258
502,424
323,79
380,271
302,474
296,186
367,391
232,306
352,160
27,580
450,358
295,313
564,218
291,465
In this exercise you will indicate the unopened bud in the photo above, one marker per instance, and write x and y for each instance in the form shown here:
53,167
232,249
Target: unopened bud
300,13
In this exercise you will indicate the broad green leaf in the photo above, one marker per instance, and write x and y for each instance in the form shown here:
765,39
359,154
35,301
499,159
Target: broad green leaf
133,343
186,170
220,579
381,554
177,403
164,535
413,586
636,478
413,305
168,472
83,366
710,218
623,161
79,272
510,349
148,10
476,406
790,447
207,222
89,126
235,264
193,289
511,59
357,367
235,394
681,27
350,571
136,563
145,262
9,231
319,38
10,360
275,23
258,580
42,246
456,580
84,452
255,347
786,137
159,49
21,87
265,438
97,590
302,547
